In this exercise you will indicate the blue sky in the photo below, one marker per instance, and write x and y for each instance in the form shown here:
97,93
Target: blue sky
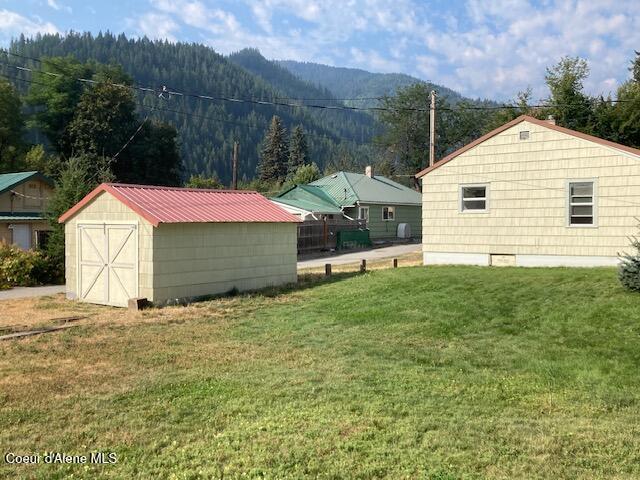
481,48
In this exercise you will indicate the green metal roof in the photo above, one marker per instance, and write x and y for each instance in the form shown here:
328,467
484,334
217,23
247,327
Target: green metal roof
309,198
348,188
20,216
11,180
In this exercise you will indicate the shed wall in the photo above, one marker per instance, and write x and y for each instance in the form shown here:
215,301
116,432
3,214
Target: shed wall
200,259
527,212
106,208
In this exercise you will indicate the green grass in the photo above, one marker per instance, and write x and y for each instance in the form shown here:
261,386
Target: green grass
439,373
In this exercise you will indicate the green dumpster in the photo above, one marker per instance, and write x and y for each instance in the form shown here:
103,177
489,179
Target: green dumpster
353,239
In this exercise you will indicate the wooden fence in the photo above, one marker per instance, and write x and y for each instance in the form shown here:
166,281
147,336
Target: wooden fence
316,235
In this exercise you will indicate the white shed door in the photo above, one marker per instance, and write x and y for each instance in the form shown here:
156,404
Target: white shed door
107,263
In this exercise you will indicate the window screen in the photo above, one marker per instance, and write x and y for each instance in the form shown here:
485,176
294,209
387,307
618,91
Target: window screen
473,198
581,203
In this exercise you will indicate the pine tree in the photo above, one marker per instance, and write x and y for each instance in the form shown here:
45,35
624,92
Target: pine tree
273,158
11,128
298,150
629,270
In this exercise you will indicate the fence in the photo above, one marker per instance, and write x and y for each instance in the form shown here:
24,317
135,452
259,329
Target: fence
323,234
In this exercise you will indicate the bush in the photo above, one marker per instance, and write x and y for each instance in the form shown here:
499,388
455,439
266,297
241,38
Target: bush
20,268
629,271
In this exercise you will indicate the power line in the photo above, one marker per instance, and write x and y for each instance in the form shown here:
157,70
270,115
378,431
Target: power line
205,117
224,98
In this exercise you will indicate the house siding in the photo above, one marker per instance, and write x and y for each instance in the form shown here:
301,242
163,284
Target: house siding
379,228
194,260
21,204
527,209
39,190
106,208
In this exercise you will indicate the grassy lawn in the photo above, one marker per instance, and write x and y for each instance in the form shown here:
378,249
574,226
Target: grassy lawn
443,373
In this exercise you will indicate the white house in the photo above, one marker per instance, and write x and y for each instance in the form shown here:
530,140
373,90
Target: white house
531,193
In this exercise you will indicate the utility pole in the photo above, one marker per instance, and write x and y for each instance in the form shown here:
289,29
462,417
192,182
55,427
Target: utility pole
432,129
234,167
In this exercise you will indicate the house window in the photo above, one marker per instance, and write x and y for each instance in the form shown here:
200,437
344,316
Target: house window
473,198
524,135
581,196
42,237
388,213
363,213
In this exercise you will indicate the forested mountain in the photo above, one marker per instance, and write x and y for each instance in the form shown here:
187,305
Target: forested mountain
295,90
208,128
347,83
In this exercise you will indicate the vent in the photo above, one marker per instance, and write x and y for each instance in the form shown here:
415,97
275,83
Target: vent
524,135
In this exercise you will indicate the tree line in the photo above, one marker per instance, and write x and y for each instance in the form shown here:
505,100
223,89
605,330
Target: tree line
404,145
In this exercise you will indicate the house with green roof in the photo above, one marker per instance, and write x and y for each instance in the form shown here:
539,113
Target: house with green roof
23,199
381,202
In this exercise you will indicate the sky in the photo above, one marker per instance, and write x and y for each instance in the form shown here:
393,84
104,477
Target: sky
480,48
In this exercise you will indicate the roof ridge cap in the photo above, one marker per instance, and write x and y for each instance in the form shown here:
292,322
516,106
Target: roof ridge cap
183,189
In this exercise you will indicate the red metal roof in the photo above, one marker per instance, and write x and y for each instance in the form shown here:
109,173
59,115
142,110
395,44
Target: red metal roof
189,205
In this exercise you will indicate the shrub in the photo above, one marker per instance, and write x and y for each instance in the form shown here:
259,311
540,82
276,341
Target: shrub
20,268
629,271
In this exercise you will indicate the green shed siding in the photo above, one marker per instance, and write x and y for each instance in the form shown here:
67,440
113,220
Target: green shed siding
380,228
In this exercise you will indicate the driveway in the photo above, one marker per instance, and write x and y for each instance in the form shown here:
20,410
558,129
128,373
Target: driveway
375,254
26,292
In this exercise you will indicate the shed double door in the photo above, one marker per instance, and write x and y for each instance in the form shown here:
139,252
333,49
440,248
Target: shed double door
107,263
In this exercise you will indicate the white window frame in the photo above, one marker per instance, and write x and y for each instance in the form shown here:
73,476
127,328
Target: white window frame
391,209
461,188
362,209
594,203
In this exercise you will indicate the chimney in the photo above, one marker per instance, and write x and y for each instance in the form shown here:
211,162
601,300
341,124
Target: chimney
368,171
551,120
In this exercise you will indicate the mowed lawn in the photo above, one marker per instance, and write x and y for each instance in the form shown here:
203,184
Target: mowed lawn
442,372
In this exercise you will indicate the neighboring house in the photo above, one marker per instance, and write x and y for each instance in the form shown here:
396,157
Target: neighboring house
382,203
308,202
531,193
23,198
172,244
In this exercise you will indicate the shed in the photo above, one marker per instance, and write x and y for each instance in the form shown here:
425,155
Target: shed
174,244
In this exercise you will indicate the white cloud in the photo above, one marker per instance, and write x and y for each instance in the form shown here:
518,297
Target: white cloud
509,43
487,48
13,24
56,6
157,26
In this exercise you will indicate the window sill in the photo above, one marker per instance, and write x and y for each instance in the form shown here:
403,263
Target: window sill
581,226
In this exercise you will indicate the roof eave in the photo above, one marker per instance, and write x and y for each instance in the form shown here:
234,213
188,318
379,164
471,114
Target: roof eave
536,121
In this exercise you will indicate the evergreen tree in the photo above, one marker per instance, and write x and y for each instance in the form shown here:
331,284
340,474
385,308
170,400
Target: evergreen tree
298,150
11,128
273,158
78,177
629,269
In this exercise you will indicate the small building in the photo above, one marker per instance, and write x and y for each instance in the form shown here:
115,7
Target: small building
382,203
309,202
174,244
23,198
531,193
